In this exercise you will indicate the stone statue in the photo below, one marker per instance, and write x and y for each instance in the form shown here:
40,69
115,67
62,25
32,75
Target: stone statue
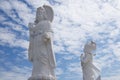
90,71
40,48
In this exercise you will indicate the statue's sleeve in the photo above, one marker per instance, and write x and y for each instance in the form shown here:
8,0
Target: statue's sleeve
50,46
86,58
97,72
48,34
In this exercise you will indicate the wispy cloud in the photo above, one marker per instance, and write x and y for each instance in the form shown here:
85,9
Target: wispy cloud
15,73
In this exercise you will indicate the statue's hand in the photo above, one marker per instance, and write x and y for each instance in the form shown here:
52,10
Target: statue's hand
47,36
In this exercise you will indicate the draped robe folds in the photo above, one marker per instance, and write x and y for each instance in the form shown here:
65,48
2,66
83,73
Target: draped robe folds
41,51
90,71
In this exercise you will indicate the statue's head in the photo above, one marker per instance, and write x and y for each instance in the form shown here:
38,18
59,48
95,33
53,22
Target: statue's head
40,14
89,47
44,13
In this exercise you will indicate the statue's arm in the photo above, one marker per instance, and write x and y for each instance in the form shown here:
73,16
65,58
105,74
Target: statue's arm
85,59
48,34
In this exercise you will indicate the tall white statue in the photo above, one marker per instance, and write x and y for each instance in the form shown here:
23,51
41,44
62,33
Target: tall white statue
40,48
90,71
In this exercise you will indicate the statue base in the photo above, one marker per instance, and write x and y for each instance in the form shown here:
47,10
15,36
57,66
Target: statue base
42,78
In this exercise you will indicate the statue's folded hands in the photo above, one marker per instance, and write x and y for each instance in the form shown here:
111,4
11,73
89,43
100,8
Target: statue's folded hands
47,36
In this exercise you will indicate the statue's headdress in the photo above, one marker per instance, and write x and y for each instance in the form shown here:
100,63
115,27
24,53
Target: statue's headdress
89,47
44,13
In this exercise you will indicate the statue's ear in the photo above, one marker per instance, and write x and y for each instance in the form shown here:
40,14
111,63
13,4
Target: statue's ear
49,12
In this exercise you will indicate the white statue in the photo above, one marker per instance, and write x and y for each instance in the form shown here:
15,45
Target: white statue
40,48
90,71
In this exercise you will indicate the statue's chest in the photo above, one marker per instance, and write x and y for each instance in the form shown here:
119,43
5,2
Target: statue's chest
38,31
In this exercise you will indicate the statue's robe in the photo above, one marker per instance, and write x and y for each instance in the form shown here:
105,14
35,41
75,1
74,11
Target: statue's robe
90,71
41,51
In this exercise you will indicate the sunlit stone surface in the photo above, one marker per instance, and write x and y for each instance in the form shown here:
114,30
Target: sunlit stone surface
90,71
40,48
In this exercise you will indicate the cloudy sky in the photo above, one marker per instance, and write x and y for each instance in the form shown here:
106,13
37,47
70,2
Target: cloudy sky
75,23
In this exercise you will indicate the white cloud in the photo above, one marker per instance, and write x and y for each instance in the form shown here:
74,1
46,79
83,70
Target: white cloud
5,5
116,49
93,21
68,57
16,73
37,3
116,77
59,71
75,68
2,18
8,37
23,11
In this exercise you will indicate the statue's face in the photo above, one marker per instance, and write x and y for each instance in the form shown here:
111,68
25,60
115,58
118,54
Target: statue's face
93,45
41,11
89,47
41,14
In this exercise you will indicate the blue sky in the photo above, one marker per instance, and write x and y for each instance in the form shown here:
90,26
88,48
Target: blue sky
75,23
